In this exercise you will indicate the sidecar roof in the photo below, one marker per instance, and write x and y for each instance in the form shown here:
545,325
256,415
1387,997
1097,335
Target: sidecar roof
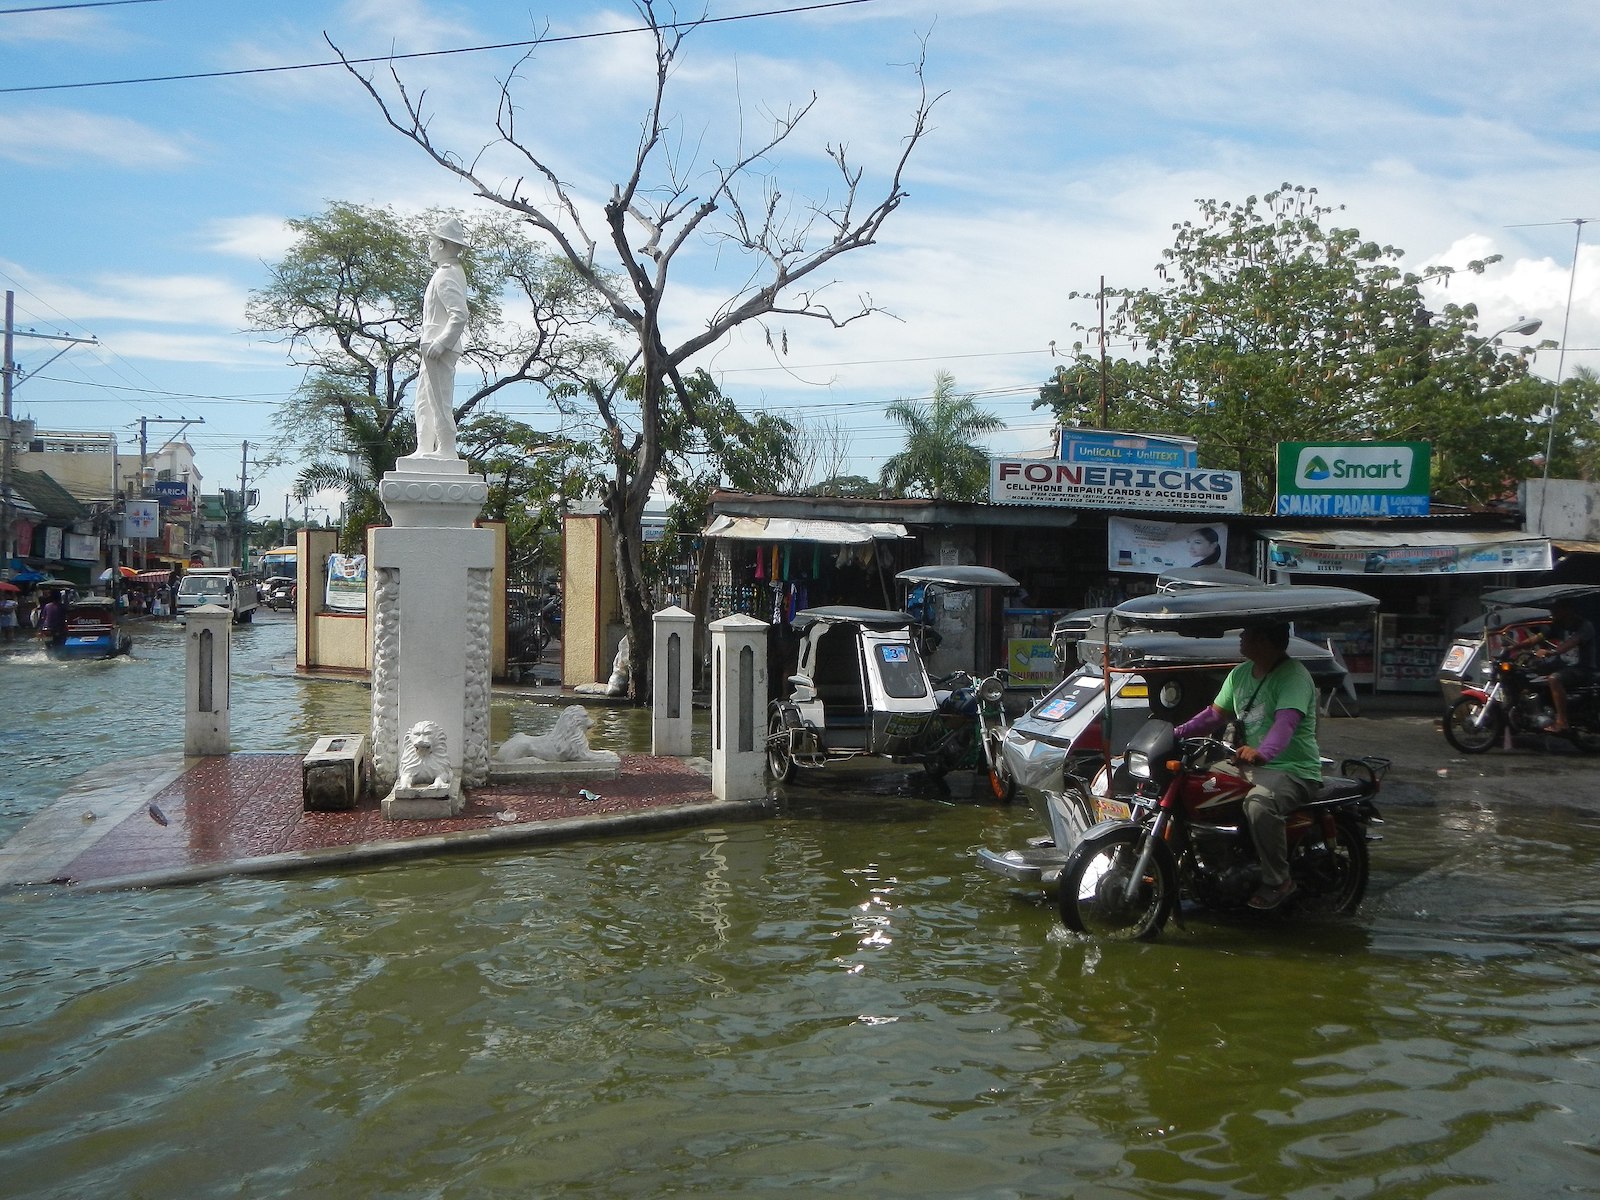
1203,612
1541,597
1182,578
849,614
958,576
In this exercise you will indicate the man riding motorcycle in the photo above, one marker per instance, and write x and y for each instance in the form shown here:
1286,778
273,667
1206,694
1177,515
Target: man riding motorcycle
1275,699
1571,646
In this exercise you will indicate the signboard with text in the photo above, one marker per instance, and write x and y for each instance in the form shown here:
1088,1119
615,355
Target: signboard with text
1151,547
1353,479
1134,449
1085,485
139,518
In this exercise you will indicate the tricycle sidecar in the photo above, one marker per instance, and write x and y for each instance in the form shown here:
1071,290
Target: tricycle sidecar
860,687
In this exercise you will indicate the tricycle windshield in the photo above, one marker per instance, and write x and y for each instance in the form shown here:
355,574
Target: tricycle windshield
901,671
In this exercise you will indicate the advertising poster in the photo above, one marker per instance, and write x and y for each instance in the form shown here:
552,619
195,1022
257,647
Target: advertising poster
1032,660
1151,547
347,583
1532,554
52,543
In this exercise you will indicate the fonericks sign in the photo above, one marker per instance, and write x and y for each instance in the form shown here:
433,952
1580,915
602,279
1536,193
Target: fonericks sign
1096,485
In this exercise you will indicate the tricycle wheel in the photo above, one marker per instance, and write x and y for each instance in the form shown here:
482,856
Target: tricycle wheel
1471,730
1095,899
780,750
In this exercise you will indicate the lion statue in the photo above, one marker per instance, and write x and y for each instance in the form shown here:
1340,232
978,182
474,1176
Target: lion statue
567,742
424,757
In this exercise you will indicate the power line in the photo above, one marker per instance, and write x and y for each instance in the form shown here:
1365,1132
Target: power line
6,12
380,58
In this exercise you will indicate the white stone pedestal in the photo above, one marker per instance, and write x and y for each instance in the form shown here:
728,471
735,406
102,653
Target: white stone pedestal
430,644
739,708
672,683
208,632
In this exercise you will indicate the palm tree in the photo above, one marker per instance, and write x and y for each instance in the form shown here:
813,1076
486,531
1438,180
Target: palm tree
939,458
374,451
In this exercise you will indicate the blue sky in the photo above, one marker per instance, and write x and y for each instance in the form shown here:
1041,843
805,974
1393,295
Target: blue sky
1070,139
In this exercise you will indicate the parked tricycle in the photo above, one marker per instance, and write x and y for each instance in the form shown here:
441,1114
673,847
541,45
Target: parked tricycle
861,688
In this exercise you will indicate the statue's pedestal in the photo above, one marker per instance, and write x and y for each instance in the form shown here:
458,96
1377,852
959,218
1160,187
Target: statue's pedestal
424,803
430,652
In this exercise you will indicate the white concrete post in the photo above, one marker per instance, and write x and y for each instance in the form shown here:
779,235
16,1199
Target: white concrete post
209,630
739,708
672,682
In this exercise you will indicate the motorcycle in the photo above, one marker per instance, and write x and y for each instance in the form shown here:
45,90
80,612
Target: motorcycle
278,593
1172,824
1516,699
1138,822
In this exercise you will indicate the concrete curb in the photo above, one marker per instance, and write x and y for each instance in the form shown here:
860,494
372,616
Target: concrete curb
542,833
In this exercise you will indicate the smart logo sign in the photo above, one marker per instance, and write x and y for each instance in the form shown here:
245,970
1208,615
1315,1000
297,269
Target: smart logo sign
1353,479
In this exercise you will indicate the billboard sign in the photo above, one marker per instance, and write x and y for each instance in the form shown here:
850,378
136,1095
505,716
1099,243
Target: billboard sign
347,583
1136,449
1085,485
1353,479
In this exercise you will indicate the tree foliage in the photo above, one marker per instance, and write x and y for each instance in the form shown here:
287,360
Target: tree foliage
673,197
1271,324
940,458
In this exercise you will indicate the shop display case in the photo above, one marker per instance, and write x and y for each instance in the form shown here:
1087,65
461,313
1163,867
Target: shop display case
1409,651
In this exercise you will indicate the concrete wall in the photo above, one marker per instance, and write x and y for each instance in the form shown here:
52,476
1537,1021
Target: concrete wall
592,604
1561,508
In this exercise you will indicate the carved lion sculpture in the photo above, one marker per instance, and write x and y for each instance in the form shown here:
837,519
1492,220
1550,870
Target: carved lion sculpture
567,742
424,757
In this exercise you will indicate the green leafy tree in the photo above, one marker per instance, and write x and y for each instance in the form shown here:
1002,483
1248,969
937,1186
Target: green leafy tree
674,200
1269,326
940,458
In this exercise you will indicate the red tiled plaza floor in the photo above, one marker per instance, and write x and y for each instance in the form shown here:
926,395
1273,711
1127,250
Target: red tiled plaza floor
244,806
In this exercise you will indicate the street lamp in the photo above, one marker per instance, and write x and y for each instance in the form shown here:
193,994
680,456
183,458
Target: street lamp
1523,327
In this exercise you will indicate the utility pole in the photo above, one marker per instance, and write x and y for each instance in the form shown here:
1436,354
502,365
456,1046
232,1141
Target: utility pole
8,376
245,504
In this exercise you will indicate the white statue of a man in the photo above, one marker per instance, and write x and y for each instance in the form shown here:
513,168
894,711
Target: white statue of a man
444,331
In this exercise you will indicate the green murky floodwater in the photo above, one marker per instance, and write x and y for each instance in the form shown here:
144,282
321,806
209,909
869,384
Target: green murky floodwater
837,1001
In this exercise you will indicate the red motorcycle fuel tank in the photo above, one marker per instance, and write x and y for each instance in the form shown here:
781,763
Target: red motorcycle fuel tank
1214,797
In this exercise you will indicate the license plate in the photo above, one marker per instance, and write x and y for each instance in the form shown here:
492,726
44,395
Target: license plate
1112,810
904,725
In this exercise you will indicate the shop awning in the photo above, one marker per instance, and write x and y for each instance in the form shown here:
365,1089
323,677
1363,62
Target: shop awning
1404,551
793,529
153,577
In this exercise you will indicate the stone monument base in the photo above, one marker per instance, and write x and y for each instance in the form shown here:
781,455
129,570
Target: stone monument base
502,772
424,803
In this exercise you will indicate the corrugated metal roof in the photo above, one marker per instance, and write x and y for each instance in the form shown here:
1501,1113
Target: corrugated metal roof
48,496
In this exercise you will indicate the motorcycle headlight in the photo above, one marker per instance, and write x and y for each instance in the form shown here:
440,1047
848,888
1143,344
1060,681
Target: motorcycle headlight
1138,764
991,689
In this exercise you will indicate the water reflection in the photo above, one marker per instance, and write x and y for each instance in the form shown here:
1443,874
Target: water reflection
834,1002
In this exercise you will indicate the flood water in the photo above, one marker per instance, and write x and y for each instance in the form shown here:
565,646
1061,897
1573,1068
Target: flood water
837,1001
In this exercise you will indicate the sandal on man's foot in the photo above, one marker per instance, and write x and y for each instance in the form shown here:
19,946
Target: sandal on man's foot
1269,895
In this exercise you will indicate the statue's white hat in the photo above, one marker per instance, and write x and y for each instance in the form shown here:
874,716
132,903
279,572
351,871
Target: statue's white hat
450,230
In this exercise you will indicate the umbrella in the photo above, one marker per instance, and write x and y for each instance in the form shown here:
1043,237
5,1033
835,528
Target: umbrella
53,583
111,573
8,587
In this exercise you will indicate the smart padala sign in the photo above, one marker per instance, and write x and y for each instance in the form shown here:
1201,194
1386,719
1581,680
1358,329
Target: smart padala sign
1353,479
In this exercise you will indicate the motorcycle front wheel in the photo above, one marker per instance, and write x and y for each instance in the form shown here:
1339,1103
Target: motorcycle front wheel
1469,729
1001,782
1332,876
1094,895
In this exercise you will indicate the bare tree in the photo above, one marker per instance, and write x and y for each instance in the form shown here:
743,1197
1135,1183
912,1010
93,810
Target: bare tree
659,204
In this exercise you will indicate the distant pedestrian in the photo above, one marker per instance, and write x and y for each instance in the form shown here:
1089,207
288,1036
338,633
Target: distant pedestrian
8,617
53,619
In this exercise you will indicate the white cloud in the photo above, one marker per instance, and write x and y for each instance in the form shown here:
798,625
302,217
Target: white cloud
64,136
259,238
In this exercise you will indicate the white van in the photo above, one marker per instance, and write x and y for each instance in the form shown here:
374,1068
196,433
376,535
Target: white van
219,585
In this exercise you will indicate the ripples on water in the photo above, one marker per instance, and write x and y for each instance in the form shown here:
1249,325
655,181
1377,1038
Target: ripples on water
834,1002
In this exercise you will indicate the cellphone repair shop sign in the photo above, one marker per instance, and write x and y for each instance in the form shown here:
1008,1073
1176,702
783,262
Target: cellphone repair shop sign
1086,485
1353,479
